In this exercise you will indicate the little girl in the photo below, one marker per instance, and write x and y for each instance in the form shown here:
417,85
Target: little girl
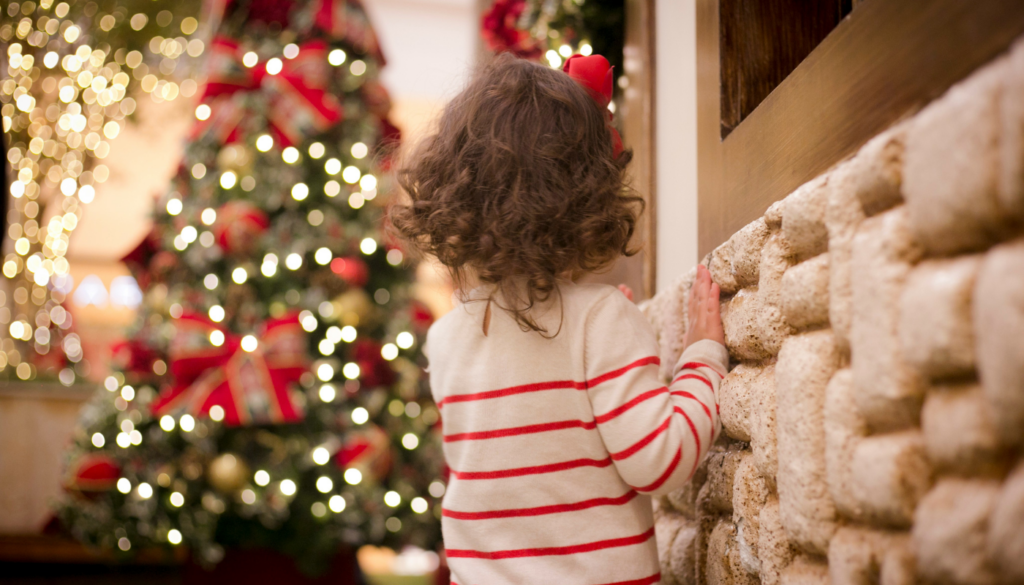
557,428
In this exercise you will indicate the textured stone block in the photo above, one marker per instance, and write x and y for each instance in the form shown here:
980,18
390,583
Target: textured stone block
805,570
951,166
773,549
844,428
753,321
747,409
950,532
999,329
681,566
888,476
668,311
716,495
803,218
855,554
734,264
1006,535
889,390
773,215
1011,144
666,528
899,566
876,172
842,217
684,500
723,558
959,432
750,492
936,332
805,293
806,363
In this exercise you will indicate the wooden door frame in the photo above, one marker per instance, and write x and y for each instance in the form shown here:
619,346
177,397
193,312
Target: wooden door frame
883,62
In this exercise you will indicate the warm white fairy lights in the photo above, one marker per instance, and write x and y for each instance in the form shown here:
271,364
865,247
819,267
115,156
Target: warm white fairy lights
62,101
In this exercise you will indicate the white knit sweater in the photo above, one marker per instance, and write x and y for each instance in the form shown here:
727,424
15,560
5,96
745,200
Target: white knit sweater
555,445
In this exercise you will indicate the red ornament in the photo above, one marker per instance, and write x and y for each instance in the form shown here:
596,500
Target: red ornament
499,28
352,270
92,474
421,316
135,357
368,450
239,225
374,370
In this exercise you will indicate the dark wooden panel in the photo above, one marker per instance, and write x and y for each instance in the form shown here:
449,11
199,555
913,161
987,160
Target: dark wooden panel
762,42
883,62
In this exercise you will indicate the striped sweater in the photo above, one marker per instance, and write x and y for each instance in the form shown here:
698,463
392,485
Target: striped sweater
556,445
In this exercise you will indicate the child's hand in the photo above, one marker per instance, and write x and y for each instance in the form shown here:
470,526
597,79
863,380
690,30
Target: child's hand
704,319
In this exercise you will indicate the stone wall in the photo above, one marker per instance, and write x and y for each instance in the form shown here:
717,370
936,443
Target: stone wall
874,412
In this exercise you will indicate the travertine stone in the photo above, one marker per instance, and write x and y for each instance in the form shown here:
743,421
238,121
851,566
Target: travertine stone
950,532
936,332
720,543
734,264
803,218
951,166
747,408
877,171
889,390
842,217
959,432
681,563
753,321
1011,144
716,495
773,215
805,293
999,329
899,566
1006,535
748,498
888,476
806,363
805,570
666,528
773,549
855,555
844,428
671,303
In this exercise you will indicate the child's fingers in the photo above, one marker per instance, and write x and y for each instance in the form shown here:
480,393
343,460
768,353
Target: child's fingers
713,302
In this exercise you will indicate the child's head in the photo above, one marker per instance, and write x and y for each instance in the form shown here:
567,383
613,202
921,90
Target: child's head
519,186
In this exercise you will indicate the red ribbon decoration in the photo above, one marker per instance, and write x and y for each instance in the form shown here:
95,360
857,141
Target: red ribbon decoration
346,20
595,75
251,387
299,104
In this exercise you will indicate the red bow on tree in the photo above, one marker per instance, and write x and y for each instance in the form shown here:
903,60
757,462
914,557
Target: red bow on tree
595,75
251,386
299,104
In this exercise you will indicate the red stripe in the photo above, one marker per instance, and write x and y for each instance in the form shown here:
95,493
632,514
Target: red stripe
695,365
626,453
551,551
535,470
664,476
685,394
700,377
621,409
644,581
529,429
541,510
557,385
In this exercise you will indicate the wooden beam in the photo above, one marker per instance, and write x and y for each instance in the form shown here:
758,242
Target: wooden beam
882,63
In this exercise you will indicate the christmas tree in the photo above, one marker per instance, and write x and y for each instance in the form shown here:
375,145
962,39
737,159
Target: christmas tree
271,393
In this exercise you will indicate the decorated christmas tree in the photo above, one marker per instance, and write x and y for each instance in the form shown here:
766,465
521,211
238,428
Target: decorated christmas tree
271,393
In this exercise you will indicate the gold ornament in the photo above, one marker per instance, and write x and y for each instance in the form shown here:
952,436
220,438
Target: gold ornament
353,307
227,473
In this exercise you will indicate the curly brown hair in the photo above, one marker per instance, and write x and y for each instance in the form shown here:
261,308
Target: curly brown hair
519,185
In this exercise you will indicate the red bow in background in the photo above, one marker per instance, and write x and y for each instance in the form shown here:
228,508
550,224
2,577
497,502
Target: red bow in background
346,20
251,386
299,107
595,75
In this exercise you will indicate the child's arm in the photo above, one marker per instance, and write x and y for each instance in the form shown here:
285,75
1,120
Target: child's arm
656,435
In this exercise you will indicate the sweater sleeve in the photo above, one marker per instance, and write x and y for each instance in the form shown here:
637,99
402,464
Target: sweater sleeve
656,435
